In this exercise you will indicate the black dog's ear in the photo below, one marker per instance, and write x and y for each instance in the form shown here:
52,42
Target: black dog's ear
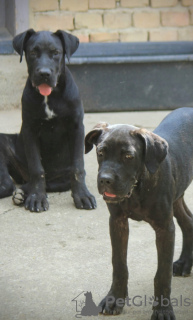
92,137
156,149
19,41
70,43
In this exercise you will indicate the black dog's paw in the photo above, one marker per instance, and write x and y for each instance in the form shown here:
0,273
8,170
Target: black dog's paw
18,197
32,202
36,202
182,267
111,306
83,199
163,314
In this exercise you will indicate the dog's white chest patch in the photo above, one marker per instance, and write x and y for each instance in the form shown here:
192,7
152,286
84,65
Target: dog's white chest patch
50,113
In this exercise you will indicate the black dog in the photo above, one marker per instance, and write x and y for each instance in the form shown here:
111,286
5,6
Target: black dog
143,176
47,155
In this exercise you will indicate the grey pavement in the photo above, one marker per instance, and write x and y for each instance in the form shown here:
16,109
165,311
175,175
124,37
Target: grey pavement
48,259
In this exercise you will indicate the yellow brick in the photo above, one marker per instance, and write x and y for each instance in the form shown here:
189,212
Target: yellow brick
88,20
185,34
44,5
74,5
102,4
163,3
82,37
133,36
117,20
191,16
187,3
104,37
175,19
163,35
134,3
146,19
54,22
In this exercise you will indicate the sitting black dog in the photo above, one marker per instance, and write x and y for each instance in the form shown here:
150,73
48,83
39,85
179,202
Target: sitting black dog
143,176
47,154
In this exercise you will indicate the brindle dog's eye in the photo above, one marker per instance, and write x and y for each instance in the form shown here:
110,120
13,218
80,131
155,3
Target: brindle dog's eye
99,153
128,156
56,52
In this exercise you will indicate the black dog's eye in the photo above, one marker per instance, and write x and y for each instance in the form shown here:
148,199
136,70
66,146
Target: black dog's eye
129,156
33,53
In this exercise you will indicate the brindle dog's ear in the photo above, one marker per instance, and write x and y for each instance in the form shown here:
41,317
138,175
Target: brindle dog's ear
156,149
19,41
70,43
92,137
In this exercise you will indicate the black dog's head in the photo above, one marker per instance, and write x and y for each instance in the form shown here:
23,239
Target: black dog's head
122,152
45,55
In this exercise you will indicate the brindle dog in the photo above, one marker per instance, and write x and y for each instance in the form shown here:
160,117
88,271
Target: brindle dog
143,176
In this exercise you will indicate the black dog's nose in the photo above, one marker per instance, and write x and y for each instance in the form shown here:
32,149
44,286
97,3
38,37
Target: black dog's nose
44,73
106,179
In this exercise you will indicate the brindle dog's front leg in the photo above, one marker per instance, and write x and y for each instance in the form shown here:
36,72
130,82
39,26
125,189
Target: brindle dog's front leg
113,303
165,236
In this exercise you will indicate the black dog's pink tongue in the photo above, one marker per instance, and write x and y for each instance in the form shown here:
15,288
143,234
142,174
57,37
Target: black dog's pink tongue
44,89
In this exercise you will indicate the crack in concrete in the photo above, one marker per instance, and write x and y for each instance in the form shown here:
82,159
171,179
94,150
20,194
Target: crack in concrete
6,211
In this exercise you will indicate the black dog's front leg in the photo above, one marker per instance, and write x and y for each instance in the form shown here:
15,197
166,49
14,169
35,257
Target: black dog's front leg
33,192
165,236
83,199
114,302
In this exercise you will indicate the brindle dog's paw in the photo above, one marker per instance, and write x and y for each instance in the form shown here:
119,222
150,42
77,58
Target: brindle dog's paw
163,314
182,267
18,197
36,202
110,306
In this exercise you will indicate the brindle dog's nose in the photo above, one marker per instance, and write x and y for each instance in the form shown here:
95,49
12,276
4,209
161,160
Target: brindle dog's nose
105,179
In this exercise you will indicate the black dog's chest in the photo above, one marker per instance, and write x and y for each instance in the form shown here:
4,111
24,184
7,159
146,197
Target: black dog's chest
53,108
49,111
50,118
53,129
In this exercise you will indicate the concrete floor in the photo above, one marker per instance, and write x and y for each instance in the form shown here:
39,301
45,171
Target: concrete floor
48,259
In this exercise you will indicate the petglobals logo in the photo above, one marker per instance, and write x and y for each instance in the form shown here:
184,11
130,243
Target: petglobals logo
140,301
85,306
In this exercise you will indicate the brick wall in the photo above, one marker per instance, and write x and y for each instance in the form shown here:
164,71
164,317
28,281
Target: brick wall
113,20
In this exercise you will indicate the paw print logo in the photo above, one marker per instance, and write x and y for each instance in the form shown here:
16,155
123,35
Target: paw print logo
153,301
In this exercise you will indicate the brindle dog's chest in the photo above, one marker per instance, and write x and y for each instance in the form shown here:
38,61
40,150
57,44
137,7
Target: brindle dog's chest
135,209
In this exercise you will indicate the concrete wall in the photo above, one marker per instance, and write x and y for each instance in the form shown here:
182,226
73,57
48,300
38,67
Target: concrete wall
112,20
13,76
98,21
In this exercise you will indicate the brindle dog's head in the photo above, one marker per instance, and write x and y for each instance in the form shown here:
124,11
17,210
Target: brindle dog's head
45,55
123,151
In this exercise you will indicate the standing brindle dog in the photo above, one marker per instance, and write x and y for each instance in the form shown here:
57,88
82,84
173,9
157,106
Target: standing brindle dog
143,176
47,154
